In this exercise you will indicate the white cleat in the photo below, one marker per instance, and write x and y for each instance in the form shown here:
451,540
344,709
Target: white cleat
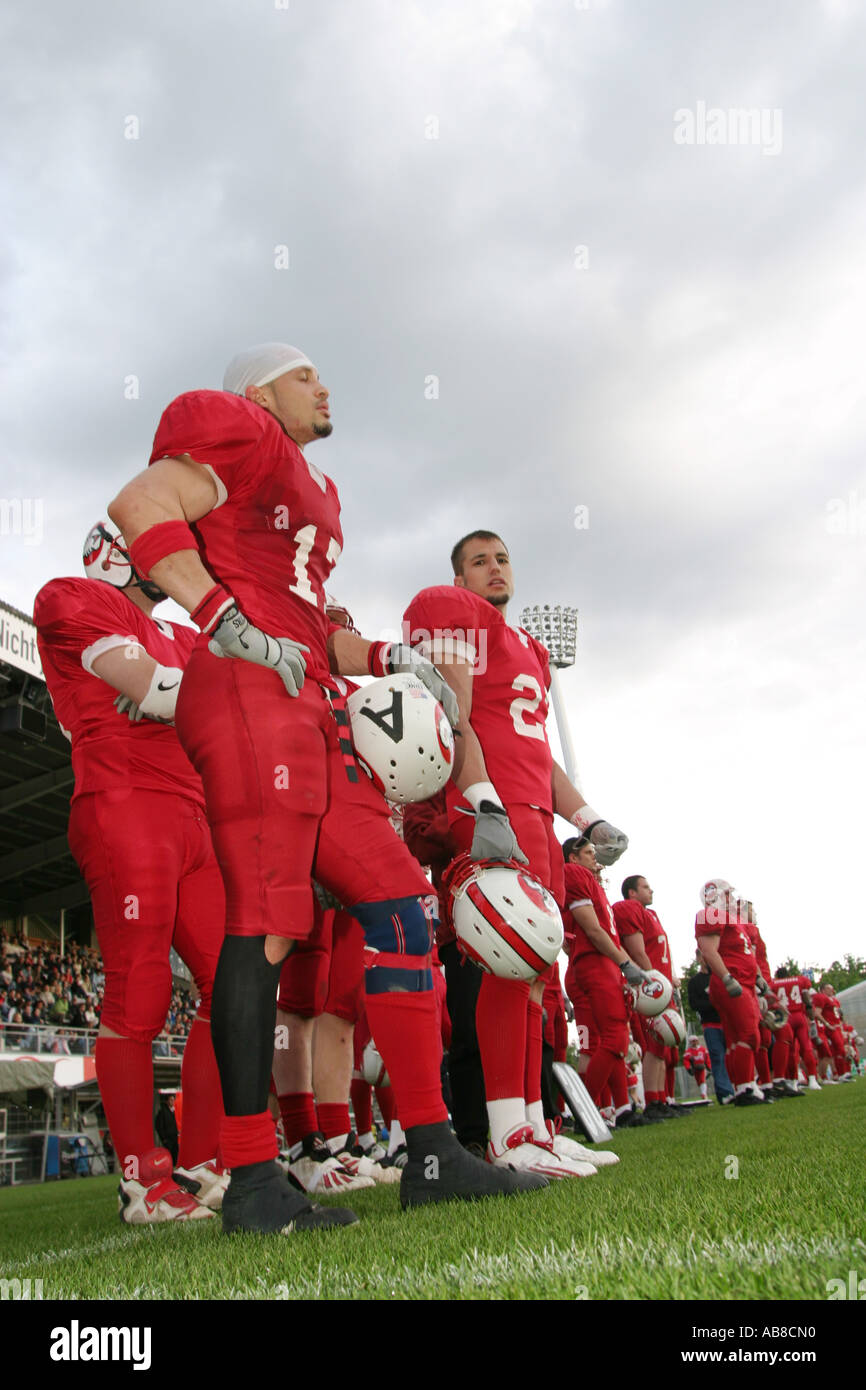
363,1166
154,1196
569,1148
207,1182
814,1084
315,1169
525,1155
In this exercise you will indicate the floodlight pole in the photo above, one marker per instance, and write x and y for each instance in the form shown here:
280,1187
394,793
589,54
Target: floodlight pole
556,629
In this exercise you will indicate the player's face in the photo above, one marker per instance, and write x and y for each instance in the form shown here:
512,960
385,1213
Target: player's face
487,571
643,892
300,403
585,856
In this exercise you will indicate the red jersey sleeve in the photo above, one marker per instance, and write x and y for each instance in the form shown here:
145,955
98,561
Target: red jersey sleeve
425,831
578,885
220,431
543,656
710,921
628,917
75,613
442,612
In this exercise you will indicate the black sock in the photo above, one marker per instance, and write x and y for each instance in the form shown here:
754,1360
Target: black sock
243,1017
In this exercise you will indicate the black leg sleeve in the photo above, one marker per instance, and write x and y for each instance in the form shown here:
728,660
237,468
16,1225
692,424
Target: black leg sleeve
243,1017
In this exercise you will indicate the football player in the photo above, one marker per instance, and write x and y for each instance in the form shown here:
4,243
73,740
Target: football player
501,801
725,946
827,1010
261,719
600,964
138,831
696,1060
793,993
645,940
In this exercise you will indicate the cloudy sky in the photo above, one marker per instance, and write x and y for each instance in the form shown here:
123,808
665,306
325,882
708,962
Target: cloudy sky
545,260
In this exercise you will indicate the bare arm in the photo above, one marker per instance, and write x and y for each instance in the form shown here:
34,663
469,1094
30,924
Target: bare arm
129,674
709,949
567,800
634,945
174,489
585,917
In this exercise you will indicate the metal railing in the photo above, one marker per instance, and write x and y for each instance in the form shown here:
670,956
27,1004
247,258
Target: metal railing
53,1040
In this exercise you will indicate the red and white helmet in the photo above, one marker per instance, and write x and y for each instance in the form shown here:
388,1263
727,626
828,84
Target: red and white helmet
373,1068
504,919
669,1027
106,557
652,997
715,892
402,738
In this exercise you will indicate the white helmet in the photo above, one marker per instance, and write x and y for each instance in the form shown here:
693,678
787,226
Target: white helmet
669,1027
106,557
373,1068
505,920
634,1054
775,1018
714,892
654,996
401,737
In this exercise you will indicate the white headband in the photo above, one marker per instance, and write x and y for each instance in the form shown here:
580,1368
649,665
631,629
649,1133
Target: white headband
257,366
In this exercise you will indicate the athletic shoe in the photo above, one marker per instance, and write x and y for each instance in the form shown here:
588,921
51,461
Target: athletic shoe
786,1090
259,1199
207,1182
814,1084
571,1167
748,1098
439,1170
568,1148
313,1168
398,1159
657,1110
829,1081
632,1119
352,1158
684,1111
376,1154
478,1151
524,1154
155,1196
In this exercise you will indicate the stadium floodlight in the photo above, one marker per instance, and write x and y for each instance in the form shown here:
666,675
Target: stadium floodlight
556,629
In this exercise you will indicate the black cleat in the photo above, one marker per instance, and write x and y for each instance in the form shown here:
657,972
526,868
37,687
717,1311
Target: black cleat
259,1199
630,1119
440,1170
657,1111
748,1098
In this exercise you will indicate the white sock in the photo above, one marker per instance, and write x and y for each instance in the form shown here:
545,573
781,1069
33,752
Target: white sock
504,1116
743,1087
535,1117
704,1091
621,1110
397,1137
366,1141
338,1143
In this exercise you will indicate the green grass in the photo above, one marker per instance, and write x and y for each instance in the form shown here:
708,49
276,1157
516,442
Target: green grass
664,1224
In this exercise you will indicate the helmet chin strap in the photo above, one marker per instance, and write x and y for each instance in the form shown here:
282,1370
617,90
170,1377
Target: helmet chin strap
147,587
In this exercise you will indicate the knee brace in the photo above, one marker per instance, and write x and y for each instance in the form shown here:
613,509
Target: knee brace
400,931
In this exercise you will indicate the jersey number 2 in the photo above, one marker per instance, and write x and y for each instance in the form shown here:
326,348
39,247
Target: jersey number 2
525,705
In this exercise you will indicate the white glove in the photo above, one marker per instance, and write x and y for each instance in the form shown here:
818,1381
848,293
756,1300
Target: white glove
633,973
733,986
400,660
235,636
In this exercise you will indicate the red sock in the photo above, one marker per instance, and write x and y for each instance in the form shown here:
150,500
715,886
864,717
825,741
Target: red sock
203,1101
501,1017
655,1097
598,1074
246,1139
405,1028
618,1085
741,1067
534,1040
124,1070
385,1097
298,1114
334,1120
362,1105
781,1052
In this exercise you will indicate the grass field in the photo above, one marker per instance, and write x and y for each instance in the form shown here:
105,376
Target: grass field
666,1223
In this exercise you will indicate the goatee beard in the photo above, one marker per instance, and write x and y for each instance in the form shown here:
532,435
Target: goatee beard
322,431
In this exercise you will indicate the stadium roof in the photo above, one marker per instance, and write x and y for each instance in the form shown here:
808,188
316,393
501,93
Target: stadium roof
37,871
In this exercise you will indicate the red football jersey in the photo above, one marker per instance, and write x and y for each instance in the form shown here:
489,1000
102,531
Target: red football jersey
509,688
108,750
789,990
582,887
830,1009
735,947
759,948
274,535
630,917
657,947
697,1057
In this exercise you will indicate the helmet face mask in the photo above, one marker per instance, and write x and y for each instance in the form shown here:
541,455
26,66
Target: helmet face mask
107,558
505,920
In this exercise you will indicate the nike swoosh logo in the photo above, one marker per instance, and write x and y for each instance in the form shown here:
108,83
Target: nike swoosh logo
160,686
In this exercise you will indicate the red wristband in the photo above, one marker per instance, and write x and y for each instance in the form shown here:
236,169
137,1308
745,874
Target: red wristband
376,656
208,612
165,538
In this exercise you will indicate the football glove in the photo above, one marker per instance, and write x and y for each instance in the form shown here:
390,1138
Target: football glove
633,973
493,837
235,636
761,984
400,660
609,842
733,986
